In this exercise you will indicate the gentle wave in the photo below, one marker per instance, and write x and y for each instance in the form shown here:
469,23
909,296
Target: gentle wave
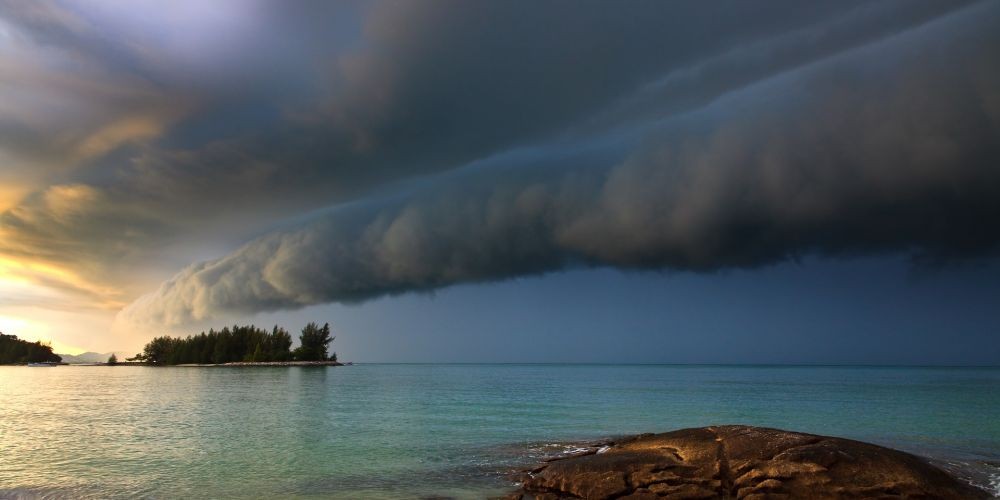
390,431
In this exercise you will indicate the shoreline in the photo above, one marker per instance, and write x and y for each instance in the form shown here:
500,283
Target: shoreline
205,365
263,363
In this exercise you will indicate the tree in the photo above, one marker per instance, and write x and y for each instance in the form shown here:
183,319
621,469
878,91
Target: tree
112,359
279,347
313,343
15,350
257,355
239,343
158,351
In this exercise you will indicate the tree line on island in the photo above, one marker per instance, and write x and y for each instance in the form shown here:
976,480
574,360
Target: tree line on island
239,344
16,351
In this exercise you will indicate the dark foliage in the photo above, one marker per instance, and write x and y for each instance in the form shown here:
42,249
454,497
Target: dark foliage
238,343
14,350
314,341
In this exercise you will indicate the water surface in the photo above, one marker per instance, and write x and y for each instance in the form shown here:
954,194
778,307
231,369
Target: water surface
407,431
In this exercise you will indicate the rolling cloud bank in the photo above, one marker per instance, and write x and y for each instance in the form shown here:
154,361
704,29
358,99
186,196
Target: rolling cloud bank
822,136
344,151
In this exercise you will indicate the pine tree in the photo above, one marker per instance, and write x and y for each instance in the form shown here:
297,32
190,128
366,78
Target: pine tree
313,343
239,343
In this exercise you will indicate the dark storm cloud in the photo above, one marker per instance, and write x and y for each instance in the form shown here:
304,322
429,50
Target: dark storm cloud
428,86
892,146
203,124
434,85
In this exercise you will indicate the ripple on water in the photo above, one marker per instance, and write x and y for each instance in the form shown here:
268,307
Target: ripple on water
435,430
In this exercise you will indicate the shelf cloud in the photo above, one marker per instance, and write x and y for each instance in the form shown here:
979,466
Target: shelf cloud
434,161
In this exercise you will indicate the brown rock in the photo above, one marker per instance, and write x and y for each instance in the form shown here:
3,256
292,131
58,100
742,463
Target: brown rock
742,462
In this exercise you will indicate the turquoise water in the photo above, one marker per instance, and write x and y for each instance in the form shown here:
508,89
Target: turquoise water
409,431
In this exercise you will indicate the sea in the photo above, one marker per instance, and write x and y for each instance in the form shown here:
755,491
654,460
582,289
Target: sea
441,430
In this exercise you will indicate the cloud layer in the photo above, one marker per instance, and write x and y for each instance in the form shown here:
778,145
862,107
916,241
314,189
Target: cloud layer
835,136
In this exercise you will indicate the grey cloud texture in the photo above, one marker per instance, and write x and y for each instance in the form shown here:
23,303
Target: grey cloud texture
201,124
892,146
60,110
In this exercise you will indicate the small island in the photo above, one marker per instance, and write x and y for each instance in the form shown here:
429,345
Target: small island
241,346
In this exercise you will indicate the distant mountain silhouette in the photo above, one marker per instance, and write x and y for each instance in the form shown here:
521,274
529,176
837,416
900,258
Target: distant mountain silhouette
89,357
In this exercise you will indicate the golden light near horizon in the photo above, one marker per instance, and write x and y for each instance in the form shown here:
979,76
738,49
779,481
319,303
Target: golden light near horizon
44,302
10,194
17,287
43,280
34,330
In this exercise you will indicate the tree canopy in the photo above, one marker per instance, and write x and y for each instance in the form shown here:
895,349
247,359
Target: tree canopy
239,343
15,351
313,343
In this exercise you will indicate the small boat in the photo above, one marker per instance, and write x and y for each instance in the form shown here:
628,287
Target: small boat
44,363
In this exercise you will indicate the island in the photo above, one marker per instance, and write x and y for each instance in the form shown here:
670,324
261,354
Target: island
241,346
740,462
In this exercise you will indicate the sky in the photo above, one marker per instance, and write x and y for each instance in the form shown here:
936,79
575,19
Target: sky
520,181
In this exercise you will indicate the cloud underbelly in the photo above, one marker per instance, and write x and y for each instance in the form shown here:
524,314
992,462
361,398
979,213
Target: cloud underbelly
892,147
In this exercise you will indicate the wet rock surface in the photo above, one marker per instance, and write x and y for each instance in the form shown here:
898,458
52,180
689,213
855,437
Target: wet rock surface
741,462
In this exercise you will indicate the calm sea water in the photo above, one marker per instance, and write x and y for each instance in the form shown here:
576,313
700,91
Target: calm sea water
410,431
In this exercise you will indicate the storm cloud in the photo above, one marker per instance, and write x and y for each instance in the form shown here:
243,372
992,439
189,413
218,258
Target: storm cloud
197,124
827,138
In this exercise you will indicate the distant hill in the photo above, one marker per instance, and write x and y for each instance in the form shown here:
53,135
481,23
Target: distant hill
89,357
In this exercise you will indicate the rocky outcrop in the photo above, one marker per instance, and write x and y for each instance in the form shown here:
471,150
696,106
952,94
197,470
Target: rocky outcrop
741,462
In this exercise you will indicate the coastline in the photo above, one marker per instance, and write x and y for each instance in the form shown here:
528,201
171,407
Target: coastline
199,365
265,363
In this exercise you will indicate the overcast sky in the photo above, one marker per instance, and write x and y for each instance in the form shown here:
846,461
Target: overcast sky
644,181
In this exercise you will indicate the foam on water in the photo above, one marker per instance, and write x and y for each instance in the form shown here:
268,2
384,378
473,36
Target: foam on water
994,483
